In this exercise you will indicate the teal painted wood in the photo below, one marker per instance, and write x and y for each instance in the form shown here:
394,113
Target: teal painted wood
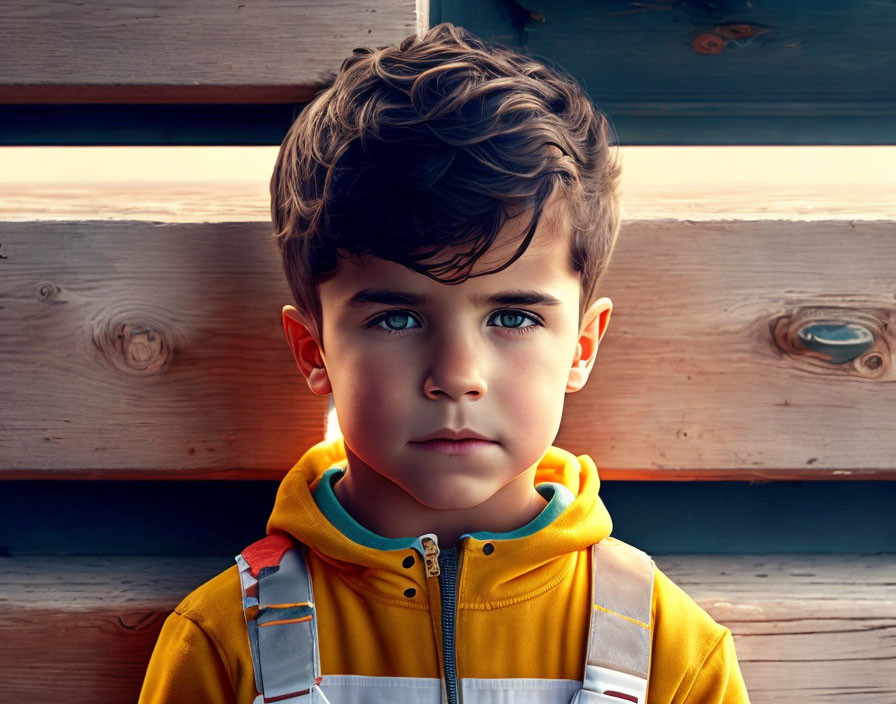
815,73
168,125
220,517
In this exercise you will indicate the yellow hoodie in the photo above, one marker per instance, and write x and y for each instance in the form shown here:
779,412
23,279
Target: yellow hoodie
523,602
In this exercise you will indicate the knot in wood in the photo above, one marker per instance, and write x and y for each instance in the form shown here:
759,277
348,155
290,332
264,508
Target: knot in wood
133,347
141,349
46,291
872,360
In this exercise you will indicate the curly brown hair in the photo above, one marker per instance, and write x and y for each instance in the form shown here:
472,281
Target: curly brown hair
424,146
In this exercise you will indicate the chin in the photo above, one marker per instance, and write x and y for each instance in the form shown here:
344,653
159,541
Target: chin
452,498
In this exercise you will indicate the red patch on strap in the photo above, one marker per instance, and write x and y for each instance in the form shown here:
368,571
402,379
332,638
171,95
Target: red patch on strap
266,552
621,695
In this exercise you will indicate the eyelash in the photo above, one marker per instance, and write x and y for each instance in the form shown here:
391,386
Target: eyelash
374,323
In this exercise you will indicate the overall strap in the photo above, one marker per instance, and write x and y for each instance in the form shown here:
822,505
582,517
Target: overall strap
618,662
278,605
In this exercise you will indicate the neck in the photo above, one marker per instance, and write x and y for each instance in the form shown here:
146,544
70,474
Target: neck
397,514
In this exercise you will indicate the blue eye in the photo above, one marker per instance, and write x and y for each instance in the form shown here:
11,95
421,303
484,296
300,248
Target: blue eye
514,319
393,322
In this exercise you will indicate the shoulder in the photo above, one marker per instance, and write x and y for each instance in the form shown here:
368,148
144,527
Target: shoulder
676,613
202,653
691,652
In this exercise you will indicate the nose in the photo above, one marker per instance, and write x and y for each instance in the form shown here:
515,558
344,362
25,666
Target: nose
455,370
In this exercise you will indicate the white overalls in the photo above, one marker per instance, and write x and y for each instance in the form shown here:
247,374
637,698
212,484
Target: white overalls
278,603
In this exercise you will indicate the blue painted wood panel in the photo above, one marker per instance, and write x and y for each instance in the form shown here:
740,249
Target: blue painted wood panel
736,72
222,517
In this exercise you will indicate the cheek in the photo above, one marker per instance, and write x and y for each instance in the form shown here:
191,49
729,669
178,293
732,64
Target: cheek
533,384
367,383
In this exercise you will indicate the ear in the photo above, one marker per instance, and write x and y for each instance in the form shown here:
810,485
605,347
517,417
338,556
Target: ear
594,325
306,350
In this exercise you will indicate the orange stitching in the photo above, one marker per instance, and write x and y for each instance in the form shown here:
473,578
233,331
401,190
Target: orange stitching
286,620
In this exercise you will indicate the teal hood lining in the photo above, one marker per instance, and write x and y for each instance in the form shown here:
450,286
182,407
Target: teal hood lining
557,496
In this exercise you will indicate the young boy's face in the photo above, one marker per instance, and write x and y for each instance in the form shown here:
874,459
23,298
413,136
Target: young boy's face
407,356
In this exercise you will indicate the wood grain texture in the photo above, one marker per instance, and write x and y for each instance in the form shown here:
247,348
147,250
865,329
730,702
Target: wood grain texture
135,349
117,334
806,627
197,51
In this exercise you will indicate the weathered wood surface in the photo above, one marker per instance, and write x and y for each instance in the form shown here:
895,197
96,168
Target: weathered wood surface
190,52
136,349
822,74
700,372
806,627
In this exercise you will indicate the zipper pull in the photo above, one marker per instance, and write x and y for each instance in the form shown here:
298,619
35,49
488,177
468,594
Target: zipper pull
430,543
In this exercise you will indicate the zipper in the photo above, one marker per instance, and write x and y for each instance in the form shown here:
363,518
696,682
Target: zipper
448,587
443,564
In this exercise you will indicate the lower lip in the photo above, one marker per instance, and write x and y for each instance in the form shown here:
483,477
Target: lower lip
454,447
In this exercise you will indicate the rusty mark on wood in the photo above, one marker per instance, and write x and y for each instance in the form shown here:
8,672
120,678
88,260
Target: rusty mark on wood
713,41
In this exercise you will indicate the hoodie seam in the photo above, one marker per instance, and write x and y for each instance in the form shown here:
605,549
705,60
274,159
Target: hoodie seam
533,594
378,596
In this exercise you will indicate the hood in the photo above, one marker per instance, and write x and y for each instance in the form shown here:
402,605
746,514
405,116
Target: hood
583,521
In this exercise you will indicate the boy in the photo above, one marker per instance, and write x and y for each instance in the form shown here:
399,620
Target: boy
444,211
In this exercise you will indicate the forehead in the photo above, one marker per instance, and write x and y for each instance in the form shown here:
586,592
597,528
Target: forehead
544,266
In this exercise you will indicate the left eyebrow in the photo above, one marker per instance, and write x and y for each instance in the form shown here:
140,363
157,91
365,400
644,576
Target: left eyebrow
517,298
390,297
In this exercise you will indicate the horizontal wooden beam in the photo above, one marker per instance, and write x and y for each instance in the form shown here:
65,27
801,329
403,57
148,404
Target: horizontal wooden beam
190,52
803,624
119,332
230,184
